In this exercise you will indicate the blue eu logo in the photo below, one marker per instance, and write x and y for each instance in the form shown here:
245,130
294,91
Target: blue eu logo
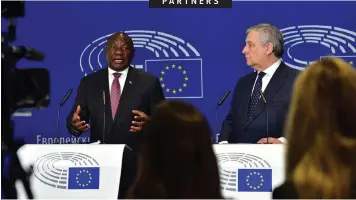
255,180
83,178
179,78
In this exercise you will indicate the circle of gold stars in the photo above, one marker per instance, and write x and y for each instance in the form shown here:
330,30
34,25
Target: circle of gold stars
83,184
254,186
179,69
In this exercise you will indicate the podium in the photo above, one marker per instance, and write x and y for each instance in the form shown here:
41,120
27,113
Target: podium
76,171
250,171
72,171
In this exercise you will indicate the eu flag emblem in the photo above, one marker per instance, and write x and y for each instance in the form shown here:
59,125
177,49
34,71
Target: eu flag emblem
179,78
83,178
255,180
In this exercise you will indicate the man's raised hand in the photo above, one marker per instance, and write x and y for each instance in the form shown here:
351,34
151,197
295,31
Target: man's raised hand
78,125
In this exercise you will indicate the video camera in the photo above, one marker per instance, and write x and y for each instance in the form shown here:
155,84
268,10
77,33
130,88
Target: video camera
22,88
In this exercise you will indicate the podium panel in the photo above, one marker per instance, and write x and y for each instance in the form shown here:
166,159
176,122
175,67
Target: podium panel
72,171
250,171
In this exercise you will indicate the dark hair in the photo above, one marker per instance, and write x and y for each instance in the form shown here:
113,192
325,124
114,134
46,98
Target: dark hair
177,158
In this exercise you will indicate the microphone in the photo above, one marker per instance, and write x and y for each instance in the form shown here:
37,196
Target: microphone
223,98
265,102
104,120
26,52
217,109
65,98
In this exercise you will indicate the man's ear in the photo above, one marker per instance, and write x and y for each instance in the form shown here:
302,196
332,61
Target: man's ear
269,48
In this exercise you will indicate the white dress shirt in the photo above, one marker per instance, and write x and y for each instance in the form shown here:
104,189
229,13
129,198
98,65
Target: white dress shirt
122,78
265,80
267,77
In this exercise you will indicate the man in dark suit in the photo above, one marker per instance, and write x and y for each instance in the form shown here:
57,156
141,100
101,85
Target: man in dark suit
246,121
126,95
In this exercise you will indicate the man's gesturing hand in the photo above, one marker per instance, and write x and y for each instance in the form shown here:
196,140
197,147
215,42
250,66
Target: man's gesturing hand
78,125
139,121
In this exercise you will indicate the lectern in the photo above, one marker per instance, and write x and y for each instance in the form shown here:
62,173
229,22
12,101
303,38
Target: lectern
76,171
250,171
72,171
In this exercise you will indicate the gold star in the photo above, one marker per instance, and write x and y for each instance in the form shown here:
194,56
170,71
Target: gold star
180,90
186,78
162,72
173,66
351,62
161,79
179,67
167,90
174,91
184,85
167,68
184,72
163,85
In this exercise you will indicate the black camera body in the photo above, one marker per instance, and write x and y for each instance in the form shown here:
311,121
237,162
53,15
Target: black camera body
21,88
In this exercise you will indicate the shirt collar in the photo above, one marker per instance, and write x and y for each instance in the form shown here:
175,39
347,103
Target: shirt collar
272,69
123,72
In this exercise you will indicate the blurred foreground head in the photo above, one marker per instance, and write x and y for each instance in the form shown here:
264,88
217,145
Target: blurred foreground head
321,130
177,158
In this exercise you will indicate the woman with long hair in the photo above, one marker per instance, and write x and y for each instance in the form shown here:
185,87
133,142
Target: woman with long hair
321,133
177,158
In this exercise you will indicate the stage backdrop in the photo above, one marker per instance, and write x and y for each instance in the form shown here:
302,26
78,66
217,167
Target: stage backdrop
199,50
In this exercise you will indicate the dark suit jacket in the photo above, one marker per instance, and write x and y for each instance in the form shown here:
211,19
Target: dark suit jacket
278,92
142,91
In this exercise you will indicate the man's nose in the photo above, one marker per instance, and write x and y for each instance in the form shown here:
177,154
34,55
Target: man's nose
118,52
244,50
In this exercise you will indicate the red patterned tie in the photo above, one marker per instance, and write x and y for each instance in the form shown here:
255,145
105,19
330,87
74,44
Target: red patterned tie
115,94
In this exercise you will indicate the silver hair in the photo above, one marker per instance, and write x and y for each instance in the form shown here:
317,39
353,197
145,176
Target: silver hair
270,33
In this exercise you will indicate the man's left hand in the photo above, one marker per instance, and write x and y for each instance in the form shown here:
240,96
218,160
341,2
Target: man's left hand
139,120
271,140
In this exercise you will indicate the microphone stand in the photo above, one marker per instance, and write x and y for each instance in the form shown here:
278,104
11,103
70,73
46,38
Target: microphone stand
58,113
267,116
104,123
267,124
216,122
58,138
217,108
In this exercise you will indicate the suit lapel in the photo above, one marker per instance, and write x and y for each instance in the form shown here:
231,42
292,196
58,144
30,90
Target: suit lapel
272,88
131,83
247,94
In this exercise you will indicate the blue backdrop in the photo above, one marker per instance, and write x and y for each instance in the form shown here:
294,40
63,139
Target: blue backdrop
205,43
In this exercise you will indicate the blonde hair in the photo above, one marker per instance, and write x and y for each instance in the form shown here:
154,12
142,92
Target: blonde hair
321,130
